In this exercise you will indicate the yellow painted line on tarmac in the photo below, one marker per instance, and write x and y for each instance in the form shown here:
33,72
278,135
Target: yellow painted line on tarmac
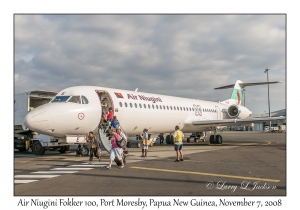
207,174
267,143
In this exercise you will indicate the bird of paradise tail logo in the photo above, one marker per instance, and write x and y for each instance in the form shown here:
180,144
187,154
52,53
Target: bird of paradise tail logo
237,94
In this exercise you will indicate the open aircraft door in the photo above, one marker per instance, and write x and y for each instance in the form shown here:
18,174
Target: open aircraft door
104,136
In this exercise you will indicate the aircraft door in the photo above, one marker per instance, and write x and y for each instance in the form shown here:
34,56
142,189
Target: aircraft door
105,101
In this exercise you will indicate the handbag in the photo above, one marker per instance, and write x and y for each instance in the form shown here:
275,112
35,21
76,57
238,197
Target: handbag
146,142
98,152
121,143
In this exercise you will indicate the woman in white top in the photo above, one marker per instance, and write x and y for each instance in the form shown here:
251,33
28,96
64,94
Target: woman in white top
145,141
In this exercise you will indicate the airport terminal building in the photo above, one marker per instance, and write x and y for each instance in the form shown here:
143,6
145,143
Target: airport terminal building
260,126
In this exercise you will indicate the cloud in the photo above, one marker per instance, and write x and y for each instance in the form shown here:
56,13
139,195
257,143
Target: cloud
181,55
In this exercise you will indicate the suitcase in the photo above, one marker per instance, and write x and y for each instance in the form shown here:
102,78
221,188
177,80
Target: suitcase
118,161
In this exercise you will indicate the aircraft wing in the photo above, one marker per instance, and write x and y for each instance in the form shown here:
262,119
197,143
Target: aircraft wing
227,122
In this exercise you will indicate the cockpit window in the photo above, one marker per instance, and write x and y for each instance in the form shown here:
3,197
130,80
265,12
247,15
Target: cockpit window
60,99
75,99
84,100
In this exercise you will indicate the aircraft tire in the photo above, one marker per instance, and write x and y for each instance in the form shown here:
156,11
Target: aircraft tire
196,140
38,149
128,144
62,149
168,139
219,139
211,139
84,151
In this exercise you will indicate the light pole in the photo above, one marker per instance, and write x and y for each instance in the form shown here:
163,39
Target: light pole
266,71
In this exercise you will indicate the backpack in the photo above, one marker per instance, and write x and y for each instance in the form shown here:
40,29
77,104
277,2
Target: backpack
121,143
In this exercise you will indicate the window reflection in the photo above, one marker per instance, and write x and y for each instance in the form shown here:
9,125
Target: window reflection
75,99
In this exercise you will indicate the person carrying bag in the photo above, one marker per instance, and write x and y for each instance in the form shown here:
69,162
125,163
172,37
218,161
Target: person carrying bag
94,147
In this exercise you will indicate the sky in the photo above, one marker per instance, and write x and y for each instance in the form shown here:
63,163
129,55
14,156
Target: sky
185,55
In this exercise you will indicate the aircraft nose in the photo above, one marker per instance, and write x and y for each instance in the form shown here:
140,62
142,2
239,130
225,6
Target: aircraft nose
38,120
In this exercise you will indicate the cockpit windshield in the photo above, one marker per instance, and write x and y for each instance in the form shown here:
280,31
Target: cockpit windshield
75,99
60,99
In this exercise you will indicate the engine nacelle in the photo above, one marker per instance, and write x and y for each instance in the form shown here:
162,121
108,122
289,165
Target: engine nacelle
239,112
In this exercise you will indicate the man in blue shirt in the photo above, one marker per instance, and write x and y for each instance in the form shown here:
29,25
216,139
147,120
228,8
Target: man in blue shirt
115,123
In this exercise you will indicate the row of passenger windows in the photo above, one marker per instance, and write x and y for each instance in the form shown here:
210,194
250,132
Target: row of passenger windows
163,107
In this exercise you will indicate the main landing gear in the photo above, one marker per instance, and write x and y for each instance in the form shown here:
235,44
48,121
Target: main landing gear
215,139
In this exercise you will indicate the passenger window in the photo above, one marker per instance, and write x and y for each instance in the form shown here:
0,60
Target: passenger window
84,100
167,107
125,104
135,105
156,106
120,104
164,107
145,106
149,106
140,105
130,105
183,108
171,107
160,107
153,106
75,99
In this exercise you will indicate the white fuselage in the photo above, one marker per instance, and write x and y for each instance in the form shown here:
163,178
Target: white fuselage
134,110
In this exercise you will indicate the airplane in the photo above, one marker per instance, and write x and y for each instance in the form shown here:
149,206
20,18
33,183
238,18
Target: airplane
77,110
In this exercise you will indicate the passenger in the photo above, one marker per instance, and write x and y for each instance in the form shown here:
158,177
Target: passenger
119,131
94,147
115,151
145,143
115,123
109,116
104,104
161,138
177,138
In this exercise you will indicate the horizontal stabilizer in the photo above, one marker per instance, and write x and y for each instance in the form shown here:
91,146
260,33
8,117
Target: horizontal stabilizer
227,122
247,84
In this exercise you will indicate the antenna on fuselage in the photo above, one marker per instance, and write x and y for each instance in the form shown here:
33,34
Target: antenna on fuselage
136,90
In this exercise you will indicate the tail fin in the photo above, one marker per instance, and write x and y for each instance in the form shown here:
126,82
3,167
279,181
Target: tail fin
237,93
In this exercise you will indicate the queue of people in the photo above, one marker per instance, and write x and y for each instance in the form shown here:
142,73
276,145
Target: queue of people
113,127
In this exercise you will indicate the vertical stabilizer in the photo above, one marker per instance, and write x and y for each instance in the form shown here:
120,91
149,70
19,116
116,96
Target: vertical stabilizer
237,93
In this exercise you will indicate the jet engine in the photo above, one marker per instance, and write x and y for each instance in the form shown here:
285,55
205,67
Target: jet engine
239,112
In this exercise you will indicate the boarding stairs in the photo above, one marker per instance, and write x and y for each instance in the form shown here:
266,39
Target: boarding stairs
104,137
